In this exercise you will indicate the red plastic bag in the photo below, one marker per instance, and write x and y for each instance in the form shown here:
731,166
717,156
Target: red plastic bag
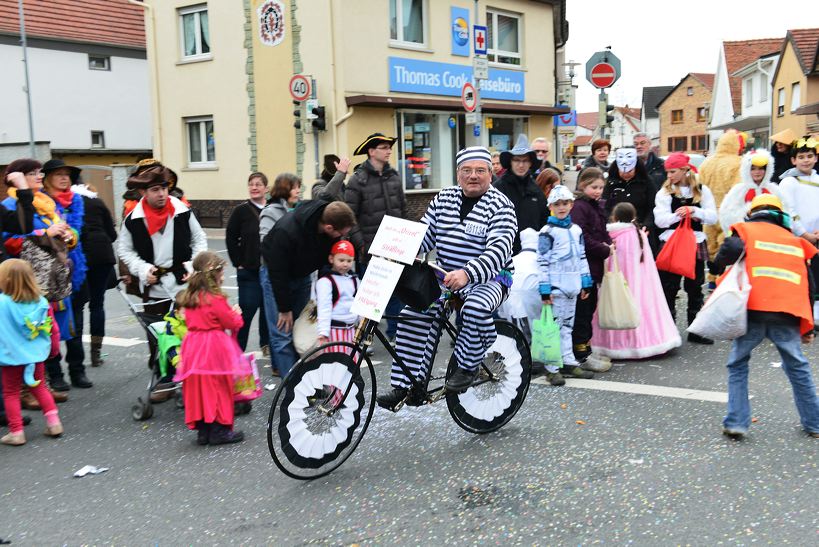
679,254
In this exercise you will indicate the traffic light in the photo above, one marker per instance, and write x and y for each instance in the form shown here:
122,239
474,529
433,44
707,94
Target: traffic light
604,118
609,118
297,114
320,120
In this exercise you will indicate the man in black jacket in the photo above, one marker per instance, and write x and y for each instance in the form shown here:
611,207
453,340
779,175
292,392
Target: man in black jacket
654,166
242,241
297,245
518,185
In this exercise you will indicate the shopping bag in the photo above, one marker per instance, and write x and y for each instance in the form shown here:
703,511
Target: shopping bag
679,254
546,339
247,387
616,306
724,316
305,329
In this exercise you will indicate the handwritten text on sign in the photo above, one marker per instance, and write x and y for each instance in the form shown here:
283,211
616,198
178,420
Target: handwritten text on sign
376,288
398,239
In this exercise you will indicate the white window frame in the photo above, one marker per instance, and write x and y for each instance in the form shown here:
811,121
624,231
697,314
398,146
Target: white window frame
106,62
491,50
101,138
748,91
796,95
399,26
195,10
780,101
763,87
203,142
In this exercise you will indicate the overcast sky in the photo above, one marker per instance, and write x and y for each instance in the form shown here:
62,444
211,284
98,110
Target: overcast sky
658,43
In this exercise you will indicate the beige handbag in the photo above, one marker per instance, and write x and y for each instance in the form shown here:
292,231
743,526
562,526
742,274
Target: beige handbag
616,308
305,329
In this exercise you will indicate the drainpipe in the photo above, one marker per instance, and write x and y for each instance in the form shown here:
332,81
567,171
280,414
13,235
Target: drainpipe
158,118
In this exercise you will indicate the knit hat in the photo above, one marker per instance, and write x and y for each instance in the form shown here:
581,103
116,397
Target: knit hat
559,193
473,153
343,247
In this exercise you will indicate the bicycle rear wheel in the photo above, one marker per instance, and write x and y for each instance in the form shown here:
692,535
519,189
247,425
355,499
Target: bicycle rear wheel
310,432
490,405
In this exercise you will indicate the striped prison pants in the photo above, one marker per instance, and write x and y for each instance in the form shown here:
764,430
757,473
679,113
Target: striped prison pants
415,339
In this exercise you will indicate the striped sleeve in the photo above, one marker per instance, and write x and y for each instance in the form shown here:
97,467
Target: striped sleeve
500,235
431,220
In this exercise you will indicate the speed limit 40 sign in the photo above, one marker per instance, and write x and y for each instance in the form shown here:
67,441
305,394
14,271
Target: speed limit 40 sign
300,87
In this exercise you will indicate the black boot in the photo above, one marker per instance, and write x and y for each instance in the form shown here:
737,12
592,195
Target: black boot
202,433
79,379
390,399
55,375
461,379
220,434
240,409
96,351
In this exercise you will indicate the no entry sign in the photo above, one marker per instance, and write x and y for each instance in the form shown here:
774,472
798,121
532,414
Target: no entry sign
603,69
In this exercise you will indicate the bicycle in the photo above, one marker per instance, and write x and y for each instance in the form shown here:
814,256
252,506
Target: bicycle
323,407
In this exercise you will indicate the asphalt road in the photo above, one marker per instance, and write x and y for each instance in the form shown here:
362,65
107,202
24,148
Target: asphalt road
574,467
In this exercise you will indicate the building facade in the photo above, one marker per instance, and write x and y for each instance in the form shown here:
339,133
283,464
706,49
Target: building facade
795,89
683,115
649,117
395,67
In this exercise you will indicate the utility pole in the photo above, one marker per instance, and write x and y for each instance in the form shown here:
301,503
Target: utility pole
28,85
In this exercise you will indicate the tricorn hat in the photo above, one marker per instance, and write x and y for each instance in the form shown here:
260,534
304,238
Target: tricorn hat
155,175
372,141
53,165
521,149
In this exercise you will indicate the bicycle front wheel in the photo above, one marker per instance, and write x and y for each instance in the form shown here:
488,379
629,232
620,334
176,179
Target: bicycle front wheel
312,428
490,404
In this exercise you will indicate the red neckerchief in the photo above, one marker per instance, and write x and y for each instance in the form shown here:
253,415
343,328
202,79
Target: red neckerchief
156,218
63,198
751,194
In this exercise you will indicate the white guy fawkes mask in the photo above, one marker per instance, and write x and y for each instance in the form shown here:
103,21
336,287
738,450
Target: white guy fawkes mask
626,159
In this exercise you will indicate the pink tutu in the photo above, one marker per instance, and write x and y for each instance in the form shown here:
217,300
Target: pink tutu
657,333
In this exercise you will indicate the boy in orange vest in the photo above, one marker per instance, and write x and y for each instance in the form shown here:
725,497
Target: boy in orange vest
780,308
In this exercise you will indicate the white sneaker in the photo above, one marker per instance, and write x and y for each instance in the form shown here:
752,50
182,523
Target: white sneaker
597,363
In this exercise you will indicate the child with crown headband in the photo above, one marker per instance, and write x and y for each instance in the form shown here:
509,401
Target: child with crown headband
210,357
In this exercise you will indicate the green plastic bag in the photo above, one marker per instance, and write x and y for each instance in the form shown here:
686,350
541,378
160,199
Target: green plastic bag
546,339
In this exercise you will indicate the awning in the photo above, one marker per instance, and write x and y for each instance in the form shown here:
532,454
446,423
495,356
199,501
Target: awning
453,105
812,108
745,124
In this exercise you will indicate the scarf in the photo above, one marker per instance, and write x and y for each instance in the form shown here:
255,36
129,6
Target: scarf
43,204
156,218
64,198
565,223
752,193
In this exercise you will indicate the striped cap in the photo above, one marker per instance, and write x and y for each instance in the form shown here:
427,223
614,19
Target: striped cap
473,153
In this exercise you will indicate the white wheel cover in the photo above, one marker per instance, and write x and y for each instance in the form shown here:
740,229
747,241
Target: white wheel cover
488,409
305,442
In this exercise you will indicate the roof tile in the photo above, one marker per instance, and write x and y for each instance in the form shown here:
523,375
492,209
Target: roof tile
743,52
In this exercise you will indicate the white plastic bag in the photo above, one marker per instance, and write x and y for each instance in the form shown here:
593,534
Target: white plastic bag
725,314
616,308
305,329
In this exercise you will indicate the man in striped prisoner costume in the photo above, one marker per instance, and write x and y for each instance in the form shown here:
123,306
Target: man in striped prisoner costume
472,226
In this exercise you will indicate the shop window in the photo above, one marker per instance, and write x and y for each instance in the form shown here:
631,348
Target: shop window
194,32
428,143
407,18
677,144
503,34
201,142
699,142
676,116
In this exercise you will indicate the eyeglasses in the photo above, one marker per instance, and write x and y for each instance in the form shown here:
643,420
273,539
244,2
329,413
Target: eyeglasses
467,171
810,142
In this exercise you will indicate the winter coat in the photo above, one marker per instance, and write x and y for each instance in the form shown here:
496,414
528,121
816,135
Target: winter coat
530,204
294,248
270,215
98,233
591,217
242,236
639,191
655,167
782,162
372,195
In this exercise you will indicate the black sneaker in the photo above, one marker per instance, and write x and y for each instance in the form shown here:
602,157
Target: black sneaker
577,372
80,380
390,399
697,339
555,379
59,384
202,433
220,434
460,380
733,433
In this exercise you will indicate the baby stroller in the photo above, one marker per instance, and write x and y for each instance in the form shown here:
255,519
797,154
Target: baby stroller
164,340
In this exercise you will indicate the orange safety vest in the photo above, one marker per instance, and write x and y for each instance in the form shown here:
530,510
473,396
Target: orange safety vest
775,262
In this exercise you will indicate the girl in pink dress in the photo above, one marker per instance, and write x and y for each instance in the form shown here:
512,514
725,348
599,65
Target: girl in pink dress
657,333
209,356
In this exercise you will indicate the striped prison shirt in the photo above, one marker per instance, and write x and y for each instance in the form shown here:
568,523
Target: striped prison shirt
481,244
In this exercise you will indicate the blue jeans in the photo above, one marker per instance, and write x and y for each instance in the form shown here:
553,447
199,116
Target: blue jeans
787,341
282,353
250,300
